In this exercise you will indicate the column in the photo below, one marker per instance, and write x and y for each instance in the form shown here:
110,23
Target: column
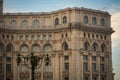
90,65
98,65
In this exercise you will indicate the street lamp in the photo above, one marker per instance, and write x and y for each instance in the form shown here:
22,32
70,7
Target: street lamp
33,60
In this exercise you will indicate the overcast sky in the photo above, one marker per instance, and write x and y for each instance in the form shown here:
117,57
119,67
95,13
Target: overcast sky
112,6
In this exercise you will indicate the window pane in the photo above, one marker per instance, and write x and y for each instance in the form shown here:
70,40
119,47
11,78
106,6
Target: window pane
93,67
102,67
67,66
85,66
0,67
8,67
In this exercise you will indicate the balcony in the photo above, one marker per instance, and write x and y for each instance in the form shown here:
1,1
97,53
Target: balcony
95,73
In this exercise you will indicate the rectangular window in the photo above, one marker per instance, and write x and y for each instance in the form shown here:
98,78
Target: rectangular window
38,37
102,59
67,66
0,67
44,37
8,79
66,78
66,57
0,58
49,37
102,67
85,66
86,78
94,78
93,67
8,67
93,58
8,58
85,57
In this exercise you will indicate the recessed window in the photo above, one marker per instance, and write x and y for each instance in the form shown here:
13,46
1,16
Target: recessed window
67,66
85,57
86,46
1,68
49,36
13,23
36,23
64,19
32,37
94,21
102,59
1,47
93,67
9,48
94,47
102,22
36,48
24,48
47,48
57,21
8,67
85,66
65,46
44,37
93,58
2,23
25,23
85,20
8,58
102,66
38,37
102,48
27,37
66,57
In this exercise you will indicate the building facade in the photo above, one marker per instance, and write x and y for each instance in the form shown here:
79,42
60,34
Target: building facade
78,41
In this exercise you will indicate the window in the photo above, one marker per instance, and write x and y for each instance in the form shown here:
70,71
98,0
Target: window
66,78
24,68
65,46
93,67
102,67
94,78
8,67
105,37
7,36
8,78
88,35
1,47
49,37
94,21
24,48
0,67
27,37
93,58
66,35
94,47
102,22
102,59
38,37
21,37
0,58
44,37
13,23
36,23
85,57
93,36
86,46
67,66
8,58
12,37
3,36
102,48
85,20
47,48
47,68
97,36
32,37
66,57
84,34
86,78
9,48
64,19
36,48
25,23
102,78
56,21
101,37
2,23
85,66
62,36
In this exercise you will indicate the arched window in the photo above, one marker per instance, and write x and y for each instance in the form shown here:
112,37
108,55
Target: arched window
36,23
94,21
64,19
85,20
56,21
36,48
32,37
2,23
47,48
94,47
24,48
13,23
9,48
1,47
86,46
26,37
102,48
25,23
102,22
65,46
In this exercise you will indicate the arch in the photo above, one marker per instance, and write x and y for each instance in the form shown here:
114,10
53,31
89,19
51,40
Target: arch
56,21
24,48
102,22
1,47
24,23
64,19
13,23
35,48
94,21
9,48
36,23
103,48
94,47
47,47
2,23
86,46
85,20
65,46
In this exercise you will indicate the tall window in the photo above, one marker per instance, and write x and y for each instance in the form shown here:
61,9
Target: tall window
102,67
86,46
2,22
9,48
36,23
13,23
8,59
44,37
66,78
94,78
65,46
24,48
0,67
102,22
56,21
102,48
38,37
64,19
47,48
85,20
85,66
36,48
26,37
32,37
1,47
8,67
21,37
85,57
85,78
94,21
93,67
67,66
94,47
25,23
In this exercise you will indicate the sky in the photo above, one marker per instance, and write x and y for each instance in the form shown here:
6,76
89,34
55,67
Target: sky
112,6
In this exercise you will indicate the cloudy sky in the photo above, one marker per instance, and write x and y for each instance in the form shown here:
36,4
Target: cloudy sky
112,6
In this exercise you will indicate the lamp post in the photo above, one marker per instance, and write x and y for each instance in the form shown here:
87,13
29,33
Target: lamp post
33,60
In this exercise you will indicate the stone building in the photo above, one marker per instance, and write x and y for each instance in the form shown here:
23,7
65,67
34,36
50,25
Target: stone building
78,41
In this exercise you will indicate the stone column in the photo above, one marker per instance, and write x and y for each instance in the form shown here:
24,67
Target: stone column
98,65
90,65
